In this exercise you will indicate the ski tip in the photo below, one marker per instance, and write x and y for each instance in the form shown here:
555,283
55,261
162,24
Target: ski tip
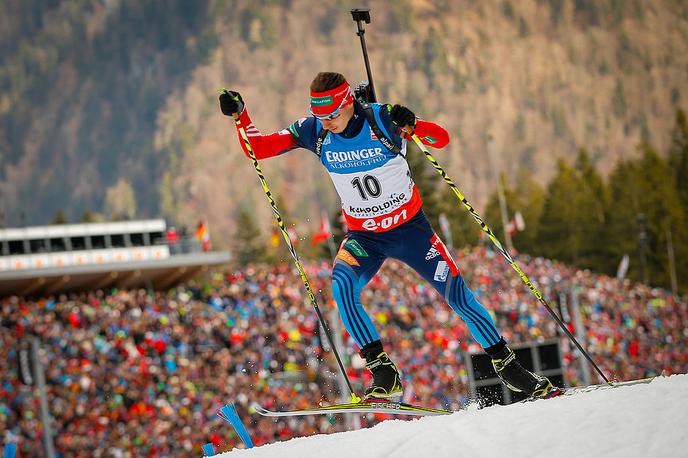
208,449
256,408
553,393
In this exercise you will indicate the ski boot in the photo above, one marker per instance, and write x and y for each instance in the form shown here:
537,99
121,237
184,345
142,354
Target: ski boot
386,379
517,378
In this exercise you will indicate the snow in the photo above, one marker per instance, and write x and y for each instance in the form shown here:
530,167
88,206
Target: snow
645,420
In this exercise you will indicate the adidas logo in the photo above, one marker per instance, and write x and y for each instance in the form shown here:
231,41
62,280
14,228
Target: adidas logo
432,253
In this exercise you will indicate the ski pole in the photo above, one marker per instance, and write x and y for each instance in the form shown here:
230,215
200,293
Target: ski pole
297,261
504,252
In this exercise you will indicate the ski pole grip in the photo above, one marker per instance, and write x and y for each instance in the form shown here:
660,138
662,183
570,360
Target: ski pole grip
361,14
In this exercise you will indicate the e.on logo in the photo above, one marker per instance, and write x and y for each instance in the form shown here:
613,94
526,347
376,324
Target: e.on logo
372,224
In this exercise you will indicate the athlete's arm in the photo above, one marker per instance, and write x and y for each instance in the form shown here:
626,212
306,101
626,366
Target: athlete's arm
430,134
264,146
299,134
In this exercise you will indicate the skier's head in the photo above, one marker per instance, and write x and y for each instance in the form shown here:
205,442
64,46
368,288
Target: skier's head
332,101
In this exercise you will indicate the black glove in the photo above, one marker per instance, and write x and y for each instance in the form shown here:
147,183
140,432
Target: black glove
402,116
231,102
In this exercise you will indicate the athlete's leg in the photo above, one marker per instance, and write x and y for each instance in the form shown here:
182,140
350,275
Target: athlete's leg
426,254
357,262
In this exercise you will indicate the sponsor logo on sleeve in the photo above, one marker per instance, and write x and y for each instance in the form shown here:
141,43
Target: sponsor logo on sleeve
431,254
347,257
356,248
439,246
441,271
293,128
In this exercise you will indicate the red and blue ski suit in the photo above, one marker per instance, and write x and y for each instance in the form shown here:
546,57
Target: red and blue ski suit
383,212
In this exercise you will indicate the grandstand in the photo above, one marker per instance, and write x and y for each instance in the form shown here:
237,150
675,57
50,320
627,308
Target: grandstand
143,372
43,260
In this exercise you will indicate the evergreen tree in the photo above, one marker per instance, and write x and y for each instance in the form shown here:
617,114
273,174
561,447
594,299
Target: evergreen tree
60,217
678,158
623,215
426,178
250,246
531,203
493,213
678,162
559,233
593,203
464,229
643,187
526,197
87,216
662,208
572,223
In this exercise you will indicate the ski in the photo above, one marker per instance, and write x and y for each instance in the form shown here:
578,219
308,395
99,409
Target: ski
587,389
604,386
363,407
402,408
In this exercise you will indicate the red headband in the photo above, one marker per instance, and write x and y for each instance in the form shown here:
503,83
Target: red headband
324,103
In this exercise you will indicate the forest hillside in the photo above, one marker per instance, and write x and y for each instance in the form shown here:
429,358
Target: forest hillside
110,107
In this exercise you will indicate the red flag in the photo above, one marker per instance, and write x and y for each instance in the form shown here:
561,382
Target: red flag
324,230
291,232
517,224
203,235
275,238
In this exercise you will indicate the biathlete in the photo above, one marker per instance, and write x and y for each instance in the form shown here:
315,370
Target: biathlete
363,147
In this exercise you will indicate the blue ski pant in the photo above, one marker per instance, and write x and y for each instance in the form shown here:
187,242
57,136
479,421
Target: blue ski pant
416,244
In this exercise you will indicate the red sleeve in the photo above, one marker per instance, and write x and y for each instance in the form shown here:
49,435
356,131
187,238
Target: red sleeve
430,134
263,146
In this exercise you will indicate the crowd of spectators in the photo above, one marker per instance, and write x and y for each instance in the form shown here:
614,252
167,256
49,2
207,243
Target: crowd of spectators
141,373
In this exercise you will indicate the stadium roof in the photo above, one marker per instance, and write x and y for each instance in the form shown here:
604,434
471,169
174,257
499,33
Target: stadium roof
158,274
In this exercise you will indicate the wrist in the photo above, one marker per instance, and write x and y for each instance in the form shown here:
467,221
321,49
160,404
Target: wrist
242,118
